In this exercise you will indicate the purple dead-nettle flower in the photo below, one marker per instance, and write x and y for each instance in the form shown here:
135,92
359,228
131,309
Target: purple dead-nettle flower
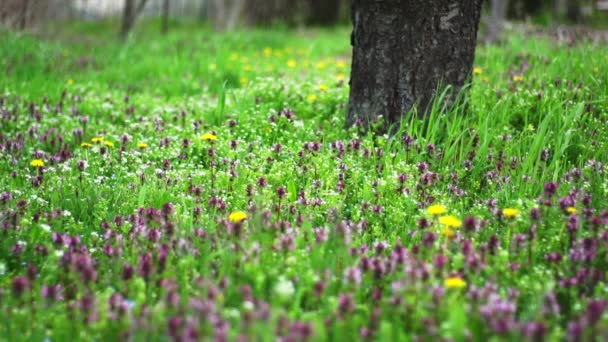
346,304
353,275
20,285
321,234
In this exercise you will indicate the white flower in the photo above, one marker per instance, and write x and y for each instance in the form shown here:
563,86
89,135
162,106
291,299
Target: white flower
45,227
284,289
248,306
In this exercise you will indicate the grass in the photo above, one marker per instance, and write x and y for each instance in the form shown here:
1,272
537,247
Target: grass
131,237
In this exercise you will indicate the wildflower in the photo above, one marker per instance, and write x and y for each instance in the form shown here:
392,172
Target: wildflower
596,69
454,283
341,64
142,145
37,163
237,216
70,82
292,63
571,210
209,137
311,97
518,78
450,221
284,289
97,140
340,77
447,232
436,209
86,145
477,70
510,213
323,87
109,143
267,52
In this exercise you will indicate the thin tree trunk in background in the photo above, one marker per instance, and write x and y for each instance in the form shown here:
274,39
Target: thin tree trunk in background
127,18
573,11
165,19
404,50
234,15
23,15
323,12
496,22
130,13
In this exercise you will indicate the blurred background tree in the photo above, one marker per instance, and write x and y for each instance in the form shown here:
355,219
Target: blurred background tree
231,14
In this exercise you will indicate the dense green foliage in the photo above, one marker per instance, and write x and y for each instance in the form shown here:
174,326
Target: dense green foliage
149,146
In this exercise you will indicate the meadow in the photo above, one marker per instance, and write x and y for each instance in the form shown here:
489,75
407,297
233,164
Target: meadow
202,186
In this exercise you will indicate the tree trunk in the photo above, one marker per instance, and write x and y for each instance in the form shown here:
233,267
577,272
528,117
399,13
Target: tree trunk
130,13
496,22
404,50
323,12
127,18
165,17
573,11
23,16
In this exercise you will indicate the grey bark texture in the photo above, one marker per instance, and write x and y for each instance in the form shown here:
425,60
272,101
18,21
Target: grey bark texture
403,50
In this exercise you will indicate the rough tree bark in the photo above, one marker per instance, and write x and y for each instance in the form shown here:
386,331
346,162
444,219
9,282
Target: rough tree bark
403,50
165,17
131,10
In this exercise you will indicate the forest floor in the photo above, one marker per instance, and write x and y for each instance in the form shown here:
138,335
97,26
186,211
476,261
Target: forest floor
202,185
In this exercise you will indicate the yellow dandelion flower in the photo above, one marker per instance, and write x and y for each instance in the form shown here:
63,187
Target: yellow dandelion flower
596,69
518,78
237,216
477,70
323,87
97,140
70,82
311,97
436,209
448,232
292,63
86,145
109,143
320,65
510,213
340,77
450,221
455,283
267,52
341,64
571,210
142,145
37,163
209,137
244,80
